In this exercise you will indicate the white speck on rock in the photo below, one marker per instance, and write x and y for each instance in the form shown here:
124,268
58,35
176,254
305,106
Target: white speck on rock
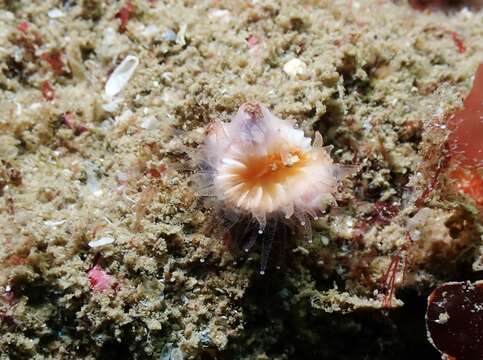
181,36
150,31
169,35
149,123
222,14
55,13
92,183
113,104
35,106
126,114
443,318
295,68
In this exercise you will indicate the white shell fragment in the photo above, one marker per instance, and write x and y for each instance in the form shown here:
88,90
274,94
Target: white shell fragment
101,242
180,37
295,68
148,123
112,105
6,15
121,75
92,183
53,223
150,31
125,116
169,35
55,13
221,14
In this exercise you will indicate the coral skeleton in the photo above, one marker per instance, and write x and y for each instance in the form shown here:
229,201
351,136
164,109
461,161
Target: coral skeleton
263,167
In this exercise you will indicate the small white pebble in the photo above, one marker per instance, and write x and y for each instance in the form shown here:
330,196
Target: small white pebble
295,68
101,242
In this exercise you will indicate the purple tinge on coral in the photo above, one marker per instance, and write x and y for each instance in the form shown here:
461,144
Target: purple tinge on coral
454,319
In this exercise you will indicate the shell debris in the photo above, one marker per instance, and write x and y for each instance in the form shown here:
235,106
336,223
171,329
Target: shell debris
121,75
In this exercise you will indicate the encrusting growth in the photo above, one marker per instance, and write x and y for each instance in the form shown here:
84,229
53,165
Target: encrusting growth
261,166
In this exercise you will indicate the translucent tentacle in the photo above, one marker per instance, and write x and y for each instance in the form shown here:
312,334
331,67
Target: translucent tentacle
318,141
251,241
267,241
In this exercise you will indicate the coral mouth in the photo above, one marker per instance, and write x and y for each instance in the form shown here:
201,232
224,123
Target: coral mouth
261,181
271,169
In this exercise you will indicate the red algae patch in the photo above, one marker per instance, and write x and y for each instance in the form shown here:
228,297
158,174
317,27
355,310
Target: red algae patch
123,15
469,182
466,138
465,142
47,91
55,60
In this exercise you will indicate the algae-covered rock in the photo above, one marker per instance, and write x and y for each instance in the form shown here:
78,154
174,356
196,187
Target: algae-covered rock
107,248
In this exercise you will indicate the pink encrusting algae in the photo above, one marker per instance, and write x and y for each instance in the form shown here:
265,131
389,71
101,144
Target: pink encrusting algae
100,280
263,167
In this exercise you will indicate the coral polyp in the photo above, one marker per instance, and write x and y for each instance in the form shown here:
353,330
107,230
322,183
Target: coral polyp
264,167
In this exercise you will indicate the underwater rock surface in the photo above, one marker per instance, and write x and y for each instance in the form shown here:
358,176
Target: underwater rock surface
106,247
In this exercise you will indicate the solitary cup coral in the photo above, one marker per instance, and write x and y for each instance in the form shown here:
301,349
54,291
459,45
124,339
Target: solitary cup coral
264,167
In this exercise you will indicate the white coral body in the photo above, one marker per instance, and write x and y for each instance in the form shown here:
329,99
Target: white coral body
263,165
